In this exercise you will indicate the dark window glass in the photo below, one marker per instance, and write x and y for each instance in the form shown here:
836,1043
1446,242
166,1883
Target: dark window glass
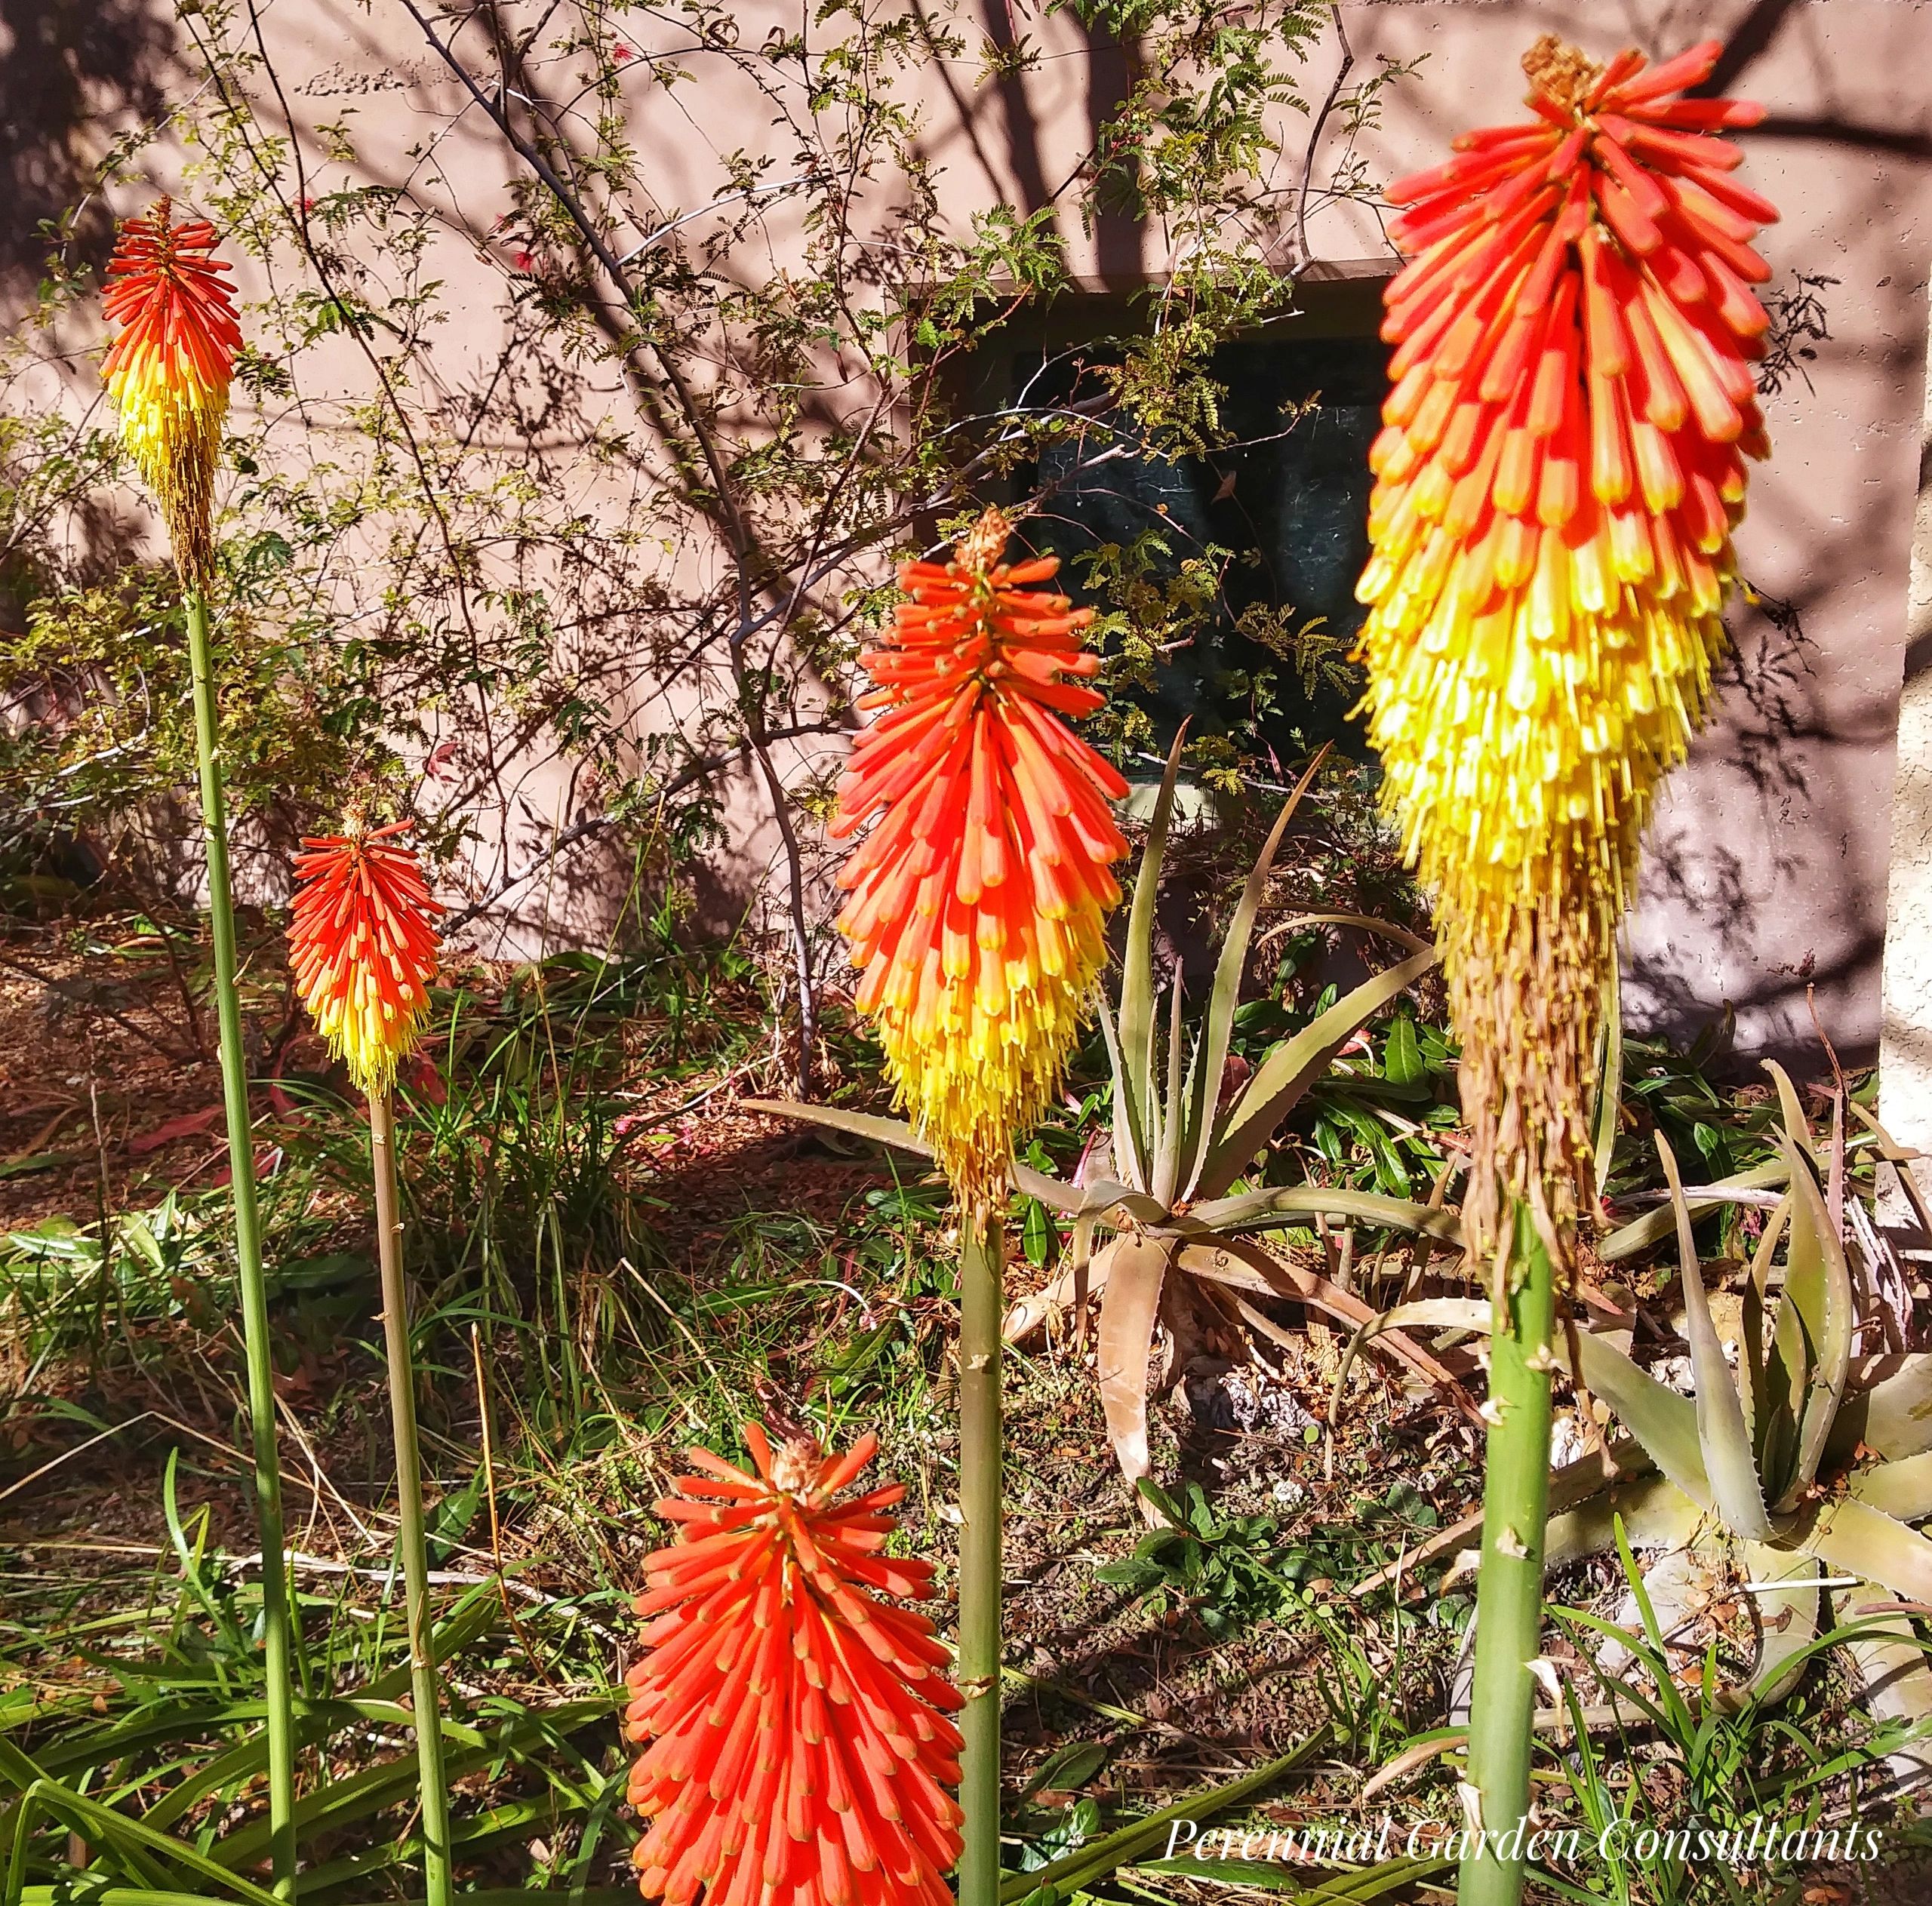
1289,497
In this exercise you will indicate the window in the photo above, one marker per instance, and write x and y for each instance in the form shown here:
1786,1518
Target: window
1287,501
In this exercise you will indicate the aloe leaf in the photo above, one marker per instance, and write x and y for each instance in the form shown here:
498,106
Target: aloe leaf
1752,1383
1134,1267
1137,974
139,1845
1171,1114
1817,1303
1383,929
1127,1150
1721,1433
1609,1080
1897,1686
1893,1417
862,1125
1787,1619
1263,1210
1901,1490
1290,1068
1855,1539
1791,1112
1351,1887
1653,1226
1655,1513
1896,1155
1664,1423
1211,1056
1425,1313
357,1796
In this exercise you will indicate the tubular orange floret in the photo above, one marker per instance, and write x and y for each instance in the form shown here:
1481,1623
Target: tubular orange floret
362,946
169,369
979,896
800,1741
1562,466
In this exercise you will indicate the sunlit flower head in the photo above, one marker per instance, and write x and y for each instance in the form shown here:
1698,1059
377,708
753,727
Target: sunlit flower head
168,370
1562,462
980,895
800,1746
362,944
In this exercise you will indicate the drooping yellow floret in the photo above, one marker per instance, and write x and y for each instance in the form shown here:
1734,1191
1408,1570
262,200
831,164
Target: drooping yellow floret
1562,465
169,370
979,898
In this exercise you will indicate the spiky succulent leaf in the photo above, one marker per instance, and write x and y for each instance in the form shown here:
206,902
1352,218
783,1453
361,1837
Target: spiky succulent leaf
1135,1072
1204,1085
1134,1266
1285,1075
1812,1337
1641,1233
1722,1435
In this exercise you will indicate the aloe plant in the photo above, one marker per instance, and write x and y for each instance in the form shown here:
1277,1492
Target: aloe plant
1170,1198
1805,1460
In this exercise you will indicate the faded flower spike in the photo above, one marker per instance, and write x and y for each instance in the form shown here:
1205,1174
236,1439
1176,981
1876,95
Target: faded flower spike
980,895
362,942
169,370
800,1746
1562,464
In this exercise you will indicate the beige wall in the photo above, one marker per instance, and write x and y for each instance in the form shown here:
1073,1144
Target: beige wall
1768,872
1767,868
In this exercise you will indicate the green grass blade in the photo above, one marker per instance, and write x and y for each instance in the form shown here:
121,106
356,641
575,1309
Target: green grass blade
1086,1865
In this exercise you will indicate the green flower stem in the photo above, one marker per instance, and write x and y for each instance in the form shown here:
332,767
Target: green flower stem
982,1253
278,1663
425,1693
1516,1506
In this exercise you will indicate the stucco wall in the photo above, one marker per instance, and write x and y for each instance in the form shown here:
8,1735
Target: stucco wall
1768,872
1767,868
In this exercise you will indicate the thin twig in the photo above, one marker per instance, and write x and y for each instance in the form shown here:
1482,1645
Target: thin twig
1315,139
78,996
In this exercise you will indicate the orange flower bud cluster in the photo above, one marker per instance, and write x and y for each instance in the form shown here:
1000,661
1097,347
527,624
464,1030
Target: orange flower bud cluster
1562,462
362,943
979,898
169,370
800,1742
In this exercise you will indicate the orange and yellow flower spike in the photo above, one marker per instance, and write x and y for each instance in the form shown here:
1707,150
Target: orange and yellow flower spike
1562,464
800,1743
362,943
169,370
979,898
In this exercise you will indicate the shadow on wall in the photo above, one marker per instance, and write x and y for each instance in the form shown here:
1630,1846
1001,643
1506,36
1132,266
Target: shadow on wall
69,70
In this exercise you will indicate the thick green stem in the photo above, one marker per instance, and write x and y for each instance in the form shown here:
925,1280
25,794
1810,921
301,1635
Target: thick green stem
278,1662
425,1693
1515,1504
982,1244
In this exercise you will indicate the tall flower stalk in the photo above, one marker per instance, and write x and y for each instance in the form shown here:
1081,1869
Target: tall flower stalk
362,946
167,372
979,895
1562,464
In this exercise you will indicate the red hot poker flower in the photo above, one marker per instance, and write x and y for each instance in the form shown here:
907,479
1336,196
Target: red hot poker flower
800,1746
1563,461
363,944
169,370
980,895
